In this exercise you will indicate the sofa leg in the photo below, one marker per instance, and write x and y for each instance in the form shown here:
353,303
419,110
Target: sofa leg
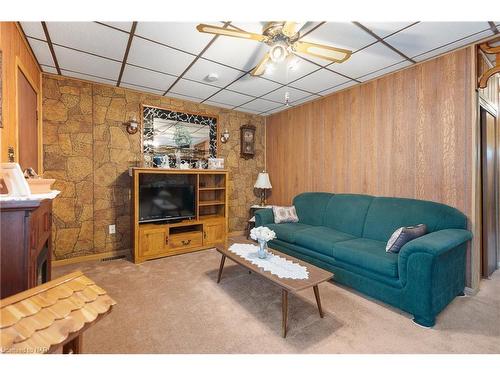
423,322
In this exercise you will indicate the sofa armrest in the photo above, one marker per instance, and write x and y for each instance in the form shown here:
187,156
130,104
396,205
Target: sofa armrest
434,244
263,217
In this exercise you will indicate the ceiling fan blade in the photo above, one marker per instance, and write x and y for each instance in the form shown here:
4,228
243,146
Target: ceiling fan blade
261,66
209,29
325,52
289,28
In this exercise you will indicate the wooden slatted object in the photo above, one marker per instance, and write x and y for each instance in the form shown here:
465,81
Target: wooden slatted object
52,315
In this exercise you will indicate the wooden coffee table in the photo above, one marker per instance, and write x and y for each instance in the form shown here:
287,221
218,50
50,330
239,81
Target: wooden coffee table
316,276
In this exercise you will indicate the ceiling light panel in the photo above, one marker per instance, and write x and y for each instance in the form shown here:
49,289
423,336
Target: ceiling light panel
33,29
89,37
279,95
230,98
195,89
254,86
87,64
202,68
139,76
157,57
425,36
366,61
41,51
383,29
182,35
319,80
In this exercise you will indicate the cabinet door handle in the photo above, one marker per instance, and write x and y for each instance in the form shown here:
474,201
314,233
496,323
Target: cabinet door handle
166,240
205,235
186,242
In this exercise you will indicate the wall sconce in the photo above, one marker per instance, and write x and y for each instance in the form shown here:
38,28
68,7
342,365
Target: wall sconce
132,126
225,136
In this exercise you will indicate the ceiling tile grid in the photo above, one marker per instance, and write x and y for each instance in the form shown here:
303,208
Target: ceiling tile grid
174,59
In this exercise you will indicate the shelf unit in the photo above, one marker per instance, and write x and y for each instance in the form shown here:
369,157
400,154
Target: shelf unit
208,228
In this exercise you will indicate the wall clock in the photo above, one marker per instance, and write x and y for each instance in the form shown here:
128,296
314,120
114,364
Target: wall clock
247,141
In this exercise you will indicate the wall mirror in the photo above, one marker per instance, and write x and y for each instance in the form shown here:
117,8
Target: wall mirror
173,139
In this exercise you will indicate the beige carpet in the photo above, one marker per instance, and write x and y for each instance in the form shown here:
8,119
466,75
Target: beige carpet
174,305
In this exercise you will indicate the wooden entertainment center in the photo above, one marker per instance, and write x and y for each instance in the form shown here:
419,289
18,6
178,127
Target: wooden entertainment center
208,227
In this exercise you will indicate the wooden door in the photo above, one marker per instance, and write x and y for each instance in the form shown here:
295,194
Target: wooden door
489,154
27,120
152,241
213,232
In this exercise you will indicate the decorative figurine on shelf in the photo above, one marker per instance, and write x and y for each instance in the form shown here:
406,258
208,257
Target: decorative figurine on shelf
178,159
262,235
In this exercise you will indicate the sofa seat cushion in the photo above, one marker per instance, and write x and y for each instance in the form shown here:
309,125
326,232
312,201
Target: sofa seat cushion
368,254
321,239
288,231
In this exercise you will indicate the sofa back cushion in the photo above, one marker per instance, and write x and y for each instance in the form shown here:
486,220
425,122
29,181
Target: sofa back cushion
311,207
347,213
385,215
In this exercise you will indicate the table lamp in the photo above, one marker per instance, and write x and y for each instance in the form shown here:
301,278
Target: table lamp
263,183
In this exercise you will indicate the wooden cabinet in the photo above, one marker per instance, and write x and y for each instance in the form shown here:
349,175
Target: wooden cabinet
206,229
26,245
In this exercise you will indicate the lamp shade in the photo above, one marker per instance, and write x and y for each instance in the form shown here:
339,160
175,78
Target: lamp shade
263,181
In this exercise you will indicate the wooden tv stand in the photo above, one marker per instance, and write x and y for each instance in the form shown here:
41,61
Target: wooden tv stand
207,229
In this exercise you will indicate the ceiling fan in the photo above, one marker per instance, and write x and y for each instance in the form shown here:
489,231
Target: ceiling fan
284,41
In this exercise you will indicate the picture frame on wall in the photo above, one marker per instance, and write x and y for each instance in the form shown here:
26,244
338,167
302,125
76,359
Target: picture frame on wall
247,141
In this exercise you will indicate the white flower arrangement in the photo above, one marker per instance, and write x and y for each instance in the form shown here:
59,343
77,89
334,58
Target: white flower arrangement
262,234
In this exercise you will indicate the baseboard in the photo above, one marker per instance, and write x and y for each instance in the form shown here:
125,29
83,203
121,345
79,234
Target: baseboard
91,257
236,233
470,292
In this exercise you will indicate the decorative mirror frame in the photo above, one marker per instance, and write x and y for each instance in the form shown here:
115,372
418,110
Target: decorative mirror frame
150,112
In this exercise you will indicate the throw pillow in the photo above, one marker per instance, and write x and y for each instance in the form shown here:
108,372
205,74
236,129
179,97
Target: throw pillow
284,214
403,235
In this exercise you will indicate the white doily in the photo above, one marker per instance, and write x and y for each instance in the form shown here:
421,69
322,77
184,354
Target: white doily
284,269
51,195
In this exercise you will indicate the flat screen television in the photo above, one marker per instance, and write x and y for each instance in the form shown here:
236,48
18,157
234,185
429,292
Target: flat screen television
159,202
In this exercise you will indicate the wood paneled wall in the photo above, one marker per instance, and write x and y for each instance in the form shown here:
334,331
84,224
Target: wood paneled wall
15,53
407,134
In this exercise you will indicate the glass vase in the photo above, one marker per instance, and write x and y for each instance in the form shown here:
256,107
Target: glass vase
262,254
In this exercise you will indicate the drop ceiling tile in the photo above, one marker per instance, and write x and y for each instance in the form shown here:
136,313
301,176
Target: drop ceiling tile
183,97
41,51
254,86
454,45
33,29
182,35
246,110
425,36
230,98
338,88
89,37
87,64
238,53
125,26
93,78
279,95
259,105
194,89
383,29
277,109
290,70
305,100
338,34
142,88
155,56
381,72
319,80
49,69
216,104
201,68
375,57
143,77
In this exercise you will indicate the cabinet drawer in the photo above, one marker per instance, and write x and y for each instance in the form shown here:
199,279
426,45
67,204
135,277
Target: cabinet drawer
191,239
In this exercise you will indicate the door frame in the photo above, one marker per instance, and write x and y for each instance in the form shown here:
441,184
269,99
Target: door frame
20,66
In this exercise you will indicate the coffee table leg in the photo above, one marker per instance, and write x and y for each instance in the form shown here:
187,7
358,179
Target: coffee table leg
223,259
284,310
318,300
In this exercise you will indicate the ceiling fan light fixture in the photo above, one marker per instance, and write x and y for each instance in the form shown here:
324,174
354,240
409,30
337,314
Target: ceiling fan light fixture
279,52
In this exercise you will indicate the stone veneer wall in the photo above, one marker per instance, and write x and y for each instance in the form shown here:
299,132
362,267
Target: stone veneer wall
88,151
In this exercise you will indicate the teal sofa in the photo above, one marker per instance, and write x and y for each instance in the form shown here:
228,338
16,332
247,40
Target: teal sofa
347,234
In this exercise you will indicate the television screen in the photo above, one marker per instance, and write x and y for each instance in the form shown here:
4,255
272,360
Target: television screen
167,202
